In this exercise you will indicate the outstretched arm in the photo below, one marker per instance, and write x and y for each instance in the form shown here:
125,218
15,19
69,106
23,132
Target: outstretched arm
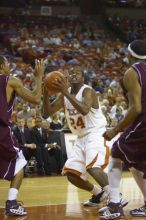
133,87
134,90
34,96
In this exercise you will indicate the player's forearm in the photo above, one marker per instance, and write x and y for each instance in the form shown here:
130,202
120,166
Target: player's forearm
129,119
79,106
37,92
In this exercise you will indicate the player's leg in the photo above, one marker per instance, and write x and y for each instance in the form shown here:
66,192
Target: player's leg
17,180
97,156
114,176
114,206
81,183
102,180
75,169
141,182
13,208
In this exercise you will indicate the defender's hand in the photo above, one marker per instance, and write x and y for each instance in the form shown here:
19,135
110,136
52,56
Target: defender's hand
39,68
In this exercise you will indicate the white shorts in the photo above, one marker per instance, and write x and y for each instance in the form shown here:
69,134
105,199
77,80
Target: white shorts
88,152
20,162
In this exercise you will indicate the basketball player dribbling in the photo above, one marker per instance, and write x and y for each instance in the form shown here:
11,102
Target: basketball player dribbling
12,160
86,120
131,145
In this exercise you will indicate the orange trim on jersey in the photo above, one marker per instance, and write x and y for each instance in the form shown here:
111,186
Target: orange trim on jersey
106,156
92,163
66,170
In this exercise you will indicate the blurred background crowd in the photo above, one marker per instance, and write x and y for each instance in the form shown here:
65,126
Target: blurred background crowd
64,42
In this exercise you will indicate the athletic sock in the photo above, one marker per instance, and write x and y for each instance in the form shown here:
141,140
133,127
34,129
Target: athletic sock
12,194
114,195
96,190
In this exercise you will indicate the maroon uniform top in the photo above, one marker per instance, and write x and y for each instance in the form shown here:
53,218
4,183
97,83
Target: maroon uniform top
8,153
131,146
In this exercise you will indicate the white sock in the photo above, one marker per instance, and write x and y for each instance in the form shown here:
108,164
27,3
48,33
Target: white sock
106,189
114,195
114,176
12,194
106,193
96,190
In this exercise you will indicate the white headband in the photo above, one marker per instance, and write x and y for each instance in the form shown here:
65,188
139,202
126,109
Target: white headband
143,57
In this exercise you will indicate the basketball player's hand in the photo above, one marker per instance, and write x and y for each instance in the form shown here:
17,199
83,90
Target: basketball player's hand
39,68
110,134
61,84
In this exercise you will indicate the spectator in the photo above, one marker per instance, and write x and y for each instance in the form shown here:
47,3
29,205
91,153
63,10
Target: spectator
24,138
25,112
56,123
39,136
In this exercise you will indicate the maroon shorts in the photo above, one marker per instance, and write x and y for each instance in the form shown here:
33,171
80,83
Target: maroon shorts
8,154
131,147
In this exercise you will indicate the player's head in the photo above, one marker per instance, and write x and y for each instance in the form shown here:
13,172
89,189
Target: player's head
137,50
20,122
76,75
38,122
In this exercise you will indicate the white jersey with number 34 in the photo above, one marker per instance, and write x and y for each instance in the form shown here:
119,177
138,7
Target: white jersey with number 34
80,124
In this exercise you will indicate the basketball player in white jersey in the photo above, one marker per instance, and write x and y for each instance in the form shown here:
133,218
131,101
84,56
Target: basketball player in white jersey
86,120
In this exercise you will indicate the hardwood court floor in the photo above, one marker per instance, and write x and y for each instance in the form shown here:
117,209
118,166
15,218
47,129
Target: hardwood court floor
53,198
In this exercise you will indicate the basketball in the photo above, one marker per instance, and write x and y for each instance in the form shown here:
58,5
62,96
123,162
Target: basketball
50,79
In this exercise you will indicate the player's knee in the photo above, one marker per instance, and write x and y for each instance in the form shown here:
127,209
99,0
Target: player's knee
71,177
92,170
20,174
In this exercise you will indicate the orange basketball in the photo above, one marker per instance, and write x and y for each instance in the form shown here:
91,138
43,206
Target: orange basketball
49,79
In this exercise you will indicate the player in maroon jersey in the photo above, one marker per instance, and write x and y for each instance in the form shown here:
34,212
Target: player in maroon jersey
131,146
12,160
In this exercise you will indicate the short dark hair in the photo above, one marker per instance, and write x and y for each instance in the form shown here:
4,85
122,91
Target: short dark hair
2,60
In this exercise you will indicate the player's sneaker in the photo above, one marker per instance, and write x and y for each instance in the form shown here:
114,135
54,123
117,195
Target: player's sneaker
95,200
140,212
113,211
123,202
13,208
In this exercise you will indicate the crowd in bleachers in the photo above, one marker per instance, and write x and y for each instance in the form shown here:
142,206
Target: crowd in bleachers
128,29
126,3
37,3
62,43
30,3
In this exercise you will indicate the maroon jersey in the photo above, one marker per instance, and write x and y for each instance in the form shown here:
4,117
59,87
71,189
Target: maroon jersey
131,146
8,153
